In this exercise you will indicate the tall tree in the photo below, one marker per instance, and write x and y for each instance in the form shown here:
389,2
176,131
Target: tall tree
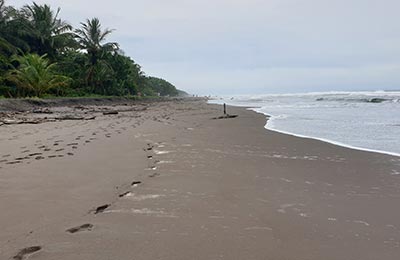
91,37
6,14
44,31
126,76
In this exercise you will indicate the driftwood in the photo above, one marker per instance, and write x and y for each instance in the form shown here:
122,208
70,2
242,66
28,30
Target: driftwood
69,117
225,116
22,121
140,109
73,117
80,107
90,118
42,111
42,120
34,121
12,121
115,112
110,113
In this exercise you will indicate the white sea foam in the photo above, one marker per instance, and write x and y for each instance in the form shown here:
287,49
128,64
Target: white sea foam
368,121
394,172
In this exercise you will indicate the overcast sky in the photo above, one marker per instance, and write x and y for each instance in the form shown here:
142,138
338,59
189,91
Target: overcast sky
254,46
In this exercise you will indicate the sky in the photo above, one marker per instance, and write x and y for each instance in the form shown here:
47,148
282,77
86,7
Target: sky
230,47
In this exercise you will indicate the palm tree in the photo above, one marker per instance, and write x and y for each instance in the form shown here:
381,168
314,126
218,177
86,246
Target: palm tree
6,14
36,74
6,48
46,33
90,38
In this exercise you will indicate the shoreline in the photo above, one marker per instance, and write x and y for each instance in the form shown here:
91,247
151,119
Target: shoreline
270,119
170,182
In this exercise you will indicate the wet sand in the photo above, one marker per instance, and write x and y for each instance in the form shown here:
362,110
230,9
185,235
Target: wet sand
169,182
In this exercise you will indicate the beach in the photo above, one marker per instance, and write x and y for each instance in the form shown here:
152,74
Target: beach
166,180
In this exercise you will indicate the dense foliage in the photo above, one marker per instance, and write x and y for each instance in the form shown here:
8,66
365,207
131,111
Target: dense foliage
41,54
35,75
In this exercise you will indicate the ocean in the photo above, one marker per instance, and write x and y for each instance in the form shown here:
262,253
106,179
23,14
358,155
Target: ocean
360,120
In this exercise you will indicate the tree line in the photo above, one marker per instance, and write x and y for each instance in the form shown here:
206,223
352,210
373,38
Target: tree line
43,55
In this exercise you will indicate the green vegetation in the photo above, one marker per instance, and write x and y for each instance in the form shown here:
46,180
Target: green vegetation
35,75
42,55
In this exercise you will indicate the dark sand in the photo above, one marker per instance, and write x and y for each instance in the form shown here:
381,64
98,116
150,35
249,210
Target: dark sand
170,183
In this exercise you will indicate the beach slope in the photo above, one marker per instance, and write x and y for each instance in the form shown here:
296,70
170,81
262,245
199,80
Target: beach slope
165,180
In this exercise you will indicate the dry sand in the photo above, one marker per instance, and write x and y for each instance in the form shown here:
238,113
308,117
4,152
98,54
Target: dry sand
170,183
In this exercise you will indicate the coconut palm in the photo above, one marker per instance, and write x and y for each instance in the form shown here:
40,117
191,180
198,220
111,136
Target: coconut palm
6,14
91,38
36,75
45,32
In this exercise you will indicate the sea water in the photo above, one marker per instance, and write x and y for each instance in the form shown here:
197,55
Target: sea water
362,120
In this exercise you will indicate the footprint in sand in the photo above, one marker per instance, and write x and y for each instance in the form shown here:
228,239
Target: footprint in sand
35,154
154,175
26,251
84,227
101,209
21,158
136,183
14,162
149,147
124,194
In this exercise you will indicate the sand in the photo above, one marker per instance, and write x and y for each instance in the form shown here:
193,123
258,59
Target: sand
169,182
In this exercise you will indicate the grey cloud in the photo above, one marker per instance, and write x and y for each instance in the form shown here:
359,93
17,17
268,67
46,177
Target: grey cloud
244,46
